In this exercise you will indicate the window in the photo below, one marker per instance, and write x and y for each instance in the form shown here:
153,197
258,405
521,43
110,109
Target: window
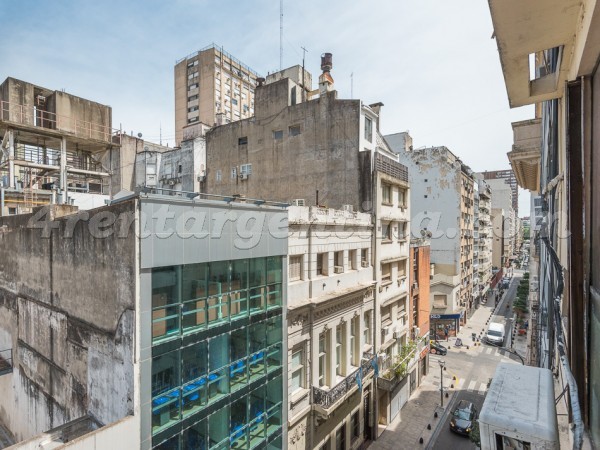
294,130
340,438
323,359
233,173
355,423
278,135
401,268
386,194
402,231
368,129
367,328
402,198
295,268
243,140
192,86
193,119
339,350
234,101
322,263
12,211
439,301
364,257
191,98
339,262
192,75
386,231
386,273
352,254
192,63
297,370
193,108
246,169
354,341
218,175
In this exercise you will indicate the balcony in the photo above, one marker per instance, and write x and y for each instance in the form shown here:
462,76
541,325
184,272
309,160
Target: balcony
325,401
526,154
394,370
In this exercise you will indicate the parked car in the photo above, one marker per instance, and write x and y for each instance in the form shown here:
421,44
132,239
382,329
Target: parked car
463,418
437,348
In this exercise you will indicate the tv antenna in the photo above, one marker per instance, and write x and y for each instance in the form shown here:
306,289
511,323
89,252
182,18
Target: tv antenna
280,34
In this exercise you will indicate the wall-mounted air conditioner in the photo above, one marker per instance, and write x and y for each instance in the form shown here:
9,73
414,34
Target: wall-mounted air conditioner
397,334
338,269
364,263
349,208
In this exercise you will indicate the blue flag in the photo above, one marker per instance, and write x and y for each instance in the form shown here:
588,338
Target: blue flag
359,376
375,366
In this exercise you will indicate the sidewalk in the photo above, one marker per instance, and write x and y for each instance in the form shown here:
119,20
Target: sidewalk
410,425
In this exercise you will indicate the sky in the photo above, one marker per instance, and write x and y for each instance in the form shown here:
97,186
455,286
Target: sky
432,63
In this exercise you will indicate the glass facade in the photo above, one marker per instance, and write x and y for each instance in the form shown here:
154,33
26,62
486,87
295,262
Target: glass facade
217,379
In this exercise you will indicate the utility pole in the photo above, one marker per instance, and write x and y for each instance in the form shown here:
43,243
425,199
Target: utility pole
442,363
280,34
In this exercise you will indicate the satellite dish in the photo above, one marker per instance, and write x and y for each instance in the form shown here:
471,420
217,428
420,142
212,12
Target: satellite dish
429,234
422,232
140,135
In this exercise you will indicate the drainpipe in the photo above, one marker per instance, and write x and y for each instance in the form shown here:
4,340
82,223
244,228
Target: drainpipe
2,201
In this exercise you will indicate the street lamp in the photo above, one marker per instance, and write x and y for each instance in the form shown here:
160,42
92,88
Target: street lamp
442,364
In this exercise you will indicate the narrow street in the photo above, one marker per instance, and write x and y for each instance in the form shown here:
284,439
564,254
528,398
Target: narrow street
466,377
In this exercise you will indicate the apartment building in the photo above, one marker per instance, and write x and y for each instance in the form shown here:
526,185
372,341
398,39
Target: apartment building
485,236
56,147
442,195
331,304
319,151
508,176
212,87
164,336
549,55
502,199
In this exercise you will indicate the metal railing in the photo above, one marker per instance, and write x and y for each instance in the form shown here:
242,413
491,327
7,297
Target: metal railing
327,398
29,115
551,292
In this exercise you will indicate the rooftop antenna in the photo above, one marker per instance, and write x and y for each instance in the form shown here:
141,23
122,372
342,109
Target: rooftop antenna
160,128
303,85
280,34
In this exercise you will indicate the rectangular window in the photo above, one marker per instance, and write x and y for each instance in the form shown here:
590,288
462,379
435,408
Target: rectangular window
368,129
386,273
367,328
192,86
233,173
295,268
246,169
439,301
191,98
340,438
322,263
323,359
355,421
278,135
218,175
401,269
193,119
402,198
294,130
364,257
386,194
339,350
354,341
243,140
234,101
192,63
193,108
339,262
402,231
352,255
297,370
386,231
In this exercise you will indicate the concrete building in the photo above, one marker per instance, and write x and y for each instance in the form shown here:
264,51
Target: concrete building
420,307
442,187
129,328
485,236
500,245
508,176
54,147
321,151
331,302
502,199
212,87
549,57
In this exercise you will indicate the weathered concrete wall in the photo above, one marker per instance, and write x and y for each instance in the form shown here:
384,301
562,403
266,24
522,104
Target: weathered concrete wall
67,300
83,117
323,157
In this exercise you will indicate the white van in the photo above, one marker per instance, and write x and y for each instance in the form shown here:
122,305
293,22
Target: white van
495,334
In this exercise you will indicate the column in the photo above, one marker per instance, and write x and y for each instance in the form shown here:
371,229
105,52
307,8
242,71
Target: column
63,171
11,159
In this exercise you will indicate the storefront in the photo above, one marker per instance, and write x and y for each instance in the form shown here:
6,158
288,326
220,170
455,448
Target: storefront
444,326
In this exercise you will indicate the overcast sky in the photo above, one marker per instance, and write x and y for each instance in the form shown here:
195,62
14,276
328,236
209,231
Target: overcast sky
431,62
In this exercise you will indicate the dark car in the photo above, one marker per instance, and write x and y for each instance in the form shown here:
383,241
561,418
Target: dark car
437,349
463,418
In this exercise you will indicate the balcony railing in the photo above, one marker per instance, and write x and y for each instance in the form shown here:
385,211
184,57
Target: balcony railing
327,399
396,369
551,292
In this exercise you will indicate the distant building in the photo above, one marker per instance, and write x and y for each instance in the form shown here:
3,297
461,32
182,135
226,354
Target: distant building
508,176
119,328
56,147
212,87
442,192
483,237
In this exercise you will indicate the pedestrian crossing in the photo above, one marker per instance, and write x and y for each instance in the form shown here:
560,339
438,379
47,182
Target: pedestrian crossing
472,386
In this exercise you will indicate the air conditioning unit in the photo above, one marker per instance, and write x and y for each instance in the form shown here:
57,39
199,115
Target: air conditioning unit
338,269
364,263
397,334
171,182
298,202
348,208
243,176
416,332
385,330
